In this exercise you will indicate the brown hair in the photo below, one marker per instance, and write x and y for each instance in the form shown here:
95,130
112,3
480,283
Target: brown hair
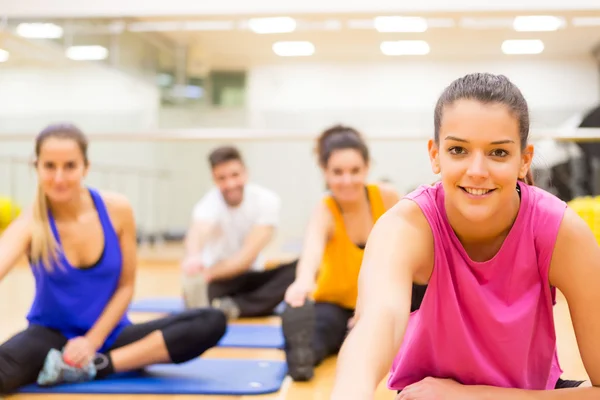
340,137
224,154
44,247
487,88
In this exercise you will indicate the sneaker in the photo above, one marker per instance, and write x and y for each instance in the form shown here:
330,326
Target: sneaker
56,371
228,306
298,325
195,291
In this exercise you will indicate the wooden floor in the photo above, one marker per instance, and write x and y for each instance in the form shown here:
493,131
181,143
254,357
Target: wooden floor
160,278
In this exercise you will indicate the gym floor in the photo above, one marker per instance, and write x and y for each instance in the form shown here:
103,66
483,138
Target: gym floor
160,277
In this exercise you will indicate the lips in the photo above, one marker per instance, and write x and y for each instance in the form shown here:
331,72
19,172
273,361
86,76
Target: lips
477,191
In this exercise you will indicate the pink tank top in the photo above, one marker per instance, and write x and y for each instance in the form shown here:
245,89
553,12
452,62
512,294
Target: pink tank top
486,323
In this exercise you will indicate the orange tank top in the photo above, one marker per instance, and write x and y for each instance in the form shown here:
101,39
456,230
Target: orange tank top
337,281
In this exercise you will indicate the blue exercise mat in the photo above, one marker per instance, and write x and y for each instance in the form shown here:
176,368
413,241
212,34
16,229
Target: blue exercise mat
172,305
159,305
253,336
200,376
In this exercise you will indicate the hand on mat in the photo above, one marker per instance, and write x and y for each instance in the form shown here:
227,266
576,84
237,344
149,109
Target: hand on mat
296,293
79,352
435,389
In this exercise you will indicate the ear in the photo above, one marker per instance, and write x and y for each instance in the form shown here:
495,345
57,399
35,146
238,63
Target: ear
526,160
434,156
86,169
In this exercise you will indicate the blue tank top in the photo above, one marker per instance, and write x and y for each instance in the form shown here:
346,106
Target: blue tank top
71,300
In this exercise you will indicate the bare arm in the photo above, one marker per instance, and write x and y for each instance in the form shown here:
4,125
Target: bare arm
14,243
313,246
196,237
255,242
117,306
400,247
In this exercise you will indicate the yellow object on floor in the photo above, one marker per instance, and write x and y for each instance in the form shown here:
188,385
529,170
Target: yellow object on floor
588,208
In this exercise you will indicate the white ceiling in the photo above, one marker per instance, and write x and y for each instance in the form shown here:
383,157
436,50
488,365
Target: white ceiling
451,36
342,38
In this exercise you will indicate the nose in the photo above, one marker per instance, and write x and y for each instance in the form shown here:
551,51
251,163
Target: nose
231,184
478,166
59,176
347,179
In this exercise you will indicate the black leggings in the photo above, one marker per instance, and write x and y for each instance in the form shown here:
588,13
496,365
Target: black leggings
331,328
187,335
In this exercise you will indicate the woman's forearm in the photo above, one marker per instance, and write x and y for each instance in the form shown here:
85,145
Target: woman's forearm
112,314
495,393
366,356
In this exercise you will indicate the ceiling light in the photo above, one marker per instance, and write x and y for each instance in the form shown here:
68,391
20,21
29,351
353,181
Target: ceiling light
39,31
272,25
4,55
87,53
294,49
522,46
400,24
585,21
537,23
404,47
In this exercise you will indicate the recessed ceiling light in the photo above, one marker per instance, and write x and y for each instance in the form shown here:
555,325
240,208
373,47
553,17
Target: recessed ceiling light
4,55
522,46
39,30
400,24
405,48
537,23
87,53
294,49
272,25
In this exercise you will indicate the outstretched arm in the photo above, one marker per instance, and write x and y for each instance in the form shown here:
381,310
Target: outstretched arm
14,243
315,239
399,248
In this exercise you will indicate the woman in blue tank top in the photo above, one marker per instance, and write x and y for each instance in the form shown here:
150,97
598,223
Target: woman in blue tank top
82,249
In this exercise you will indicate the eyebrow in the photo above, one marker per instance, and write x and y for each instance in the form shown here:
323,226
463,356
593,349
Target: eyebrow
466,141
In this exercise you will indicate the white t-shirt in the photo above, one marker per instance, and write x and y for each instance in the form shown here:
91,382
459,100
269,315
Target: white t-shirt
260,206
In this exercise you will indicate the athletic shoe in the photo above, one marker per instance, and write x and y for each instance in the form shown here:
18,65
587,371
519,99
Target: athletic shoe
228,306
298,325
56,371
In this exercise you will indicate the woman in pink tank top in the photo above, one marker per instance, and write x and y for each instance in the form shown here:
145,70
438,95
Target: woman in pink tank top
491,248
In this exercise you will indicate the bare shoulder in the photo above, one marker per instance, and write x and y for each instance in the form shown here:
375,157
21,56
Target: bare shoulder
576,252
405,229
389,194
408,212
119,208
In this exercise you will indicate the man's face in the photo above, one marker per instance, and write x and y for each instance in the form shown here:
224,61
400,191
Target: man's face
230,177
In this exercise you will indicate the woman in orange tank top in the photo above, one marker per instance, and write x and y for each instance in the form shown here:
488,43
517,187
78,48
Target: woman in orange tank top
321,301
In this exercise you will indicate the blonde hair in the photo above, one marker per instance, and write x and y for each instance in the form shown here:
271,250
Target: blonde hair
44,246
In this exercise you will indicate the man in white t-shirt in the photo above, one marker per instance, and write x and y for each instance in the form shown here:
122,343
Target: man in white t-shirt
231,225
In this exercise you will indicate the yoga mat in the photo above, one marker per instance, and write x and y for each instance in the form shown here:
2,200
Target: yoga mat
172,305
253,336
200,376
